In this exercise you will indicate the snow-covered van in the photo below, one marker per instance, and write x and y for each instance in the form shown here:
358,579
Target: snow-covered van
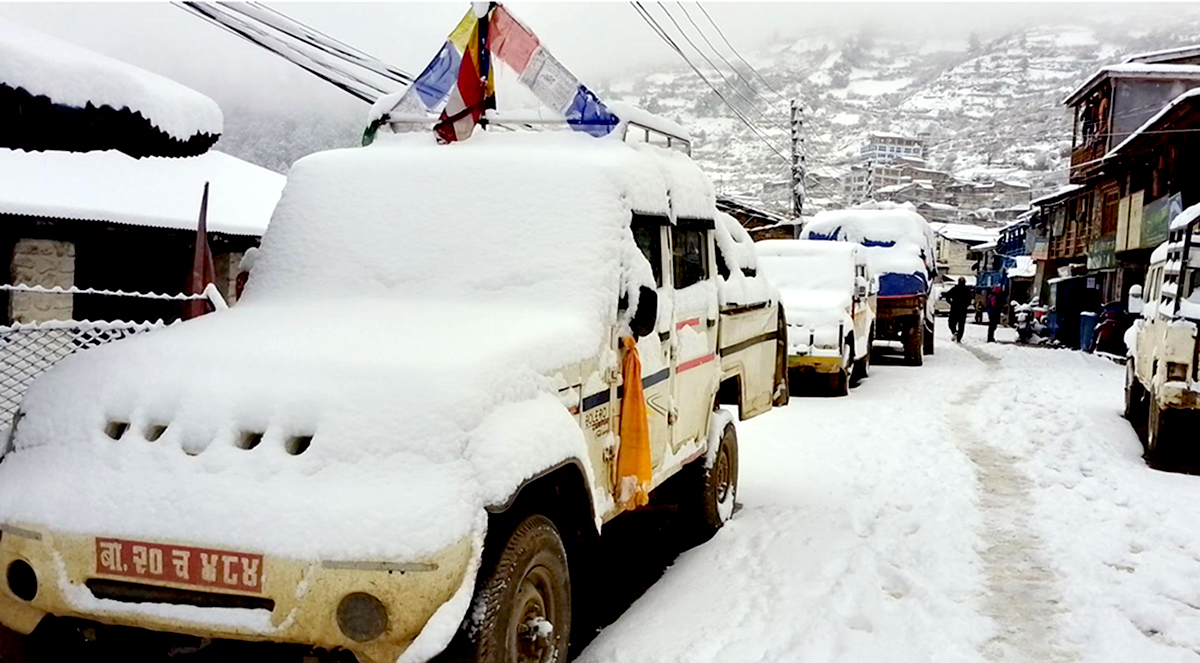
406,437
1162,373
828,294
900,250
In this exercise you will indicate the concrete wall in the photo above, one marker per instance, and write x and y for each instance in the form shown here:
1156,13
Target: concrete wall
46,263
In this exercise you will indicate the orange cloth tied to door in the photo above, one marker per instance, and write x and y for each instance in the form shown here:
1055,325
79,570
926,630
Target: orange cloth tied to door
633,455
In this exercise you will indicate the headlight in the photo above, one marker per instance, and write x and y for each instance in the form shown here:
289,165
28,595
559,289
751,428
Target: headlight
1176,372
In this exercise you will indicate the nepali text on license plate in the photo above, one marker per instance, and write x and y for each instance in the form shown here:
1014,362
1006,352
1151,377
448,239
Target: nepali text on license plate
199,567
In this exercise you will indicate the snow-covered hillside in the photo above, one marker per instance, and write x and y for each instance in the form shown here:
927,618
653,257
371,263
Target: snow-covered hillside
991,109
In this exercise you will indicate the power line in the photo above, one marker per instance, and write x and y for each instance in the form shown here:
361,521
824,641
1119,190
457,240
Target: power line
717,69
305,61
735,51
658,30
749,85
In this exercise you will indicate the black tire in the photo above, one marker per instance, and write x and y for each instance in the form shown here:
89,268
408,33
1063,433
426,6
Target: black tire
783,390
1159,438
711,491
1135,393
914,347
862,367
927,341
527,580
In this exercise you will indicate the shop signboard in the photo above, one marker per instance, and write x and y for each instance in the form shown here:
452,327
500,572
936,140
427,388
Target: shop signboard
1133,239
1156,219
1123,224
1101,252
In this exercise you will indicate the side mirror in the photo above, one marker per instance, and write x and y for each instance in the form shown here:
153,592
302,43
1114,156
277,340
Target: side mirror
646,316
1136,305
860,287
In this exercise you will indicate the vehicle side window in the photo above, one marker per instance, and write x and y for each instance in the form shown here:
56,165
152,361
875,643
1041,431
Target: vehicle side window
647,233
690,253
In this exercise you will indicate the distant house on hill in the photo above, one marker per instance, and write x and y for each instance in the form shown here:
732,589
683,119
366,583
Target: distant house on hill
104,166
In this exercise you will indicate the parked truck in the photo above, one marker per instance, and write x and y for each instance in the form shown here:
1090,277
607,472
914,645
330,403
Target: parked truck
899,246
1162,373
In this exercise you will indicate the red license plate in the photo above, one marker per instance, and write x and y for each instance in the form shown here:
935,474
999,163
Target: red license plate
198,567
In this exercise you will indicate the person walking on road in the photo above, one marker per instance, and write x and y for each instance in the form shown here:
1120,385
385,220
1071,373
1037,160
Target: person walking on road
993,311
960,298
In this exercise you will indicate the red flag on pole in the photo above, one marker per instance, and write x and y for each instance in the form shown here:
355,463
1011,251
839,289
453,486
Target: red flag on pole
203,270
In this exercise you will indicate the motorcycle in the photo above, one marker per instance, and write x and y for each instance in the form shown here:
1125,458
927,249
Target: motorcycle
1029,325
1110,329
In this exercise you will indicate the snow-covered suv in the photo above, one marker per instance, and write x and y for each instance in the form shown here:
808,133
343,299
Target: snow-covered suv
828,293
406,436
1162,383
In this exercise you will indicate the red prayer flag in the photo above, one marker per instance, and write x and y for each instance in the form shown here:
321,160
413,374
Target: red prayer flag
511,41
203,270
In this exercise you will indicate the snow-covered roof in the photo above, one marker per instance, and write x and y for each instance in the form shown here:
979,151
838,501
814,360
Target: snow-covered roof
885,134
74,76
1057,195
965,232
629,113
986,246
1025,268
938,206
1133,70
1148,124
155,192
1152,57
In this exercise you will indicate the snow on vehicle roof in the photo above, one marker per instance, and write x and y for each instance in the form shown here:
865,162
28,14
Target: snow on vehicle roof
744,285
628,113
156,192
1185,217
898,240
74,76
538,216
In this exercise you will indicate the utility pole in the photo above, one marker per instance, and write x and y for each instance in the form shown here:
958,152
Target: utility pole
798,165
869,191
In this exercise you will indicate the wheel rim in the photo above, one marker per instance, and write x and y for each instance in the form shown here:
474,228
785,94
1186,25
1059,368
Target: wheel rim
529,639
723,476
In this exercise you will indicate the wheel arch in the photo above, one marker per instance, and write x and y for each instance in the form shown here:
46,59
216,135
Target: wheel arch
560,492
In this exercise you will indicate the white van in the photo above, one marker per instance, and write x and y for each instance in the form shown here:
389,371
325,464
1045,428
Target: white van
1162,374
828,294
405,437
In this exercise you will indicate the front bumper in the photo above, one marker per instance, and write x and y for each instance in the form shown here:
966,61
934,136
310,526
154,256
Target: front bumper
1178,396
815,363
305,595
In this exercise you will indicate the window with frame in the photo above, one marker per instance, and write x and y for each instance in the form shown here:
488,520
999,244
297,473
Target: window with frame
648,236
690,255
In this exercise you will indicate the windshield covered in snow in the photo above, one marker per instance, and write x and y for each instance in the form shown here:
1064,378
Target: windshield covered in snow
534,220
799,265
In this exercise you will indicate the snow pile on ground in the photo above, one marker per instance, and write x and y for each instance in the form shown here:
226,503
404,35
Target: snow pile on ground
73,76
155,191
897,239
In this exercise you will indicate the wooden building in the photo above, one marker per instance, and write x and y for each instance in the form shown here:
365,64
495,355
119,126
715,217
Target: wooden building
104,167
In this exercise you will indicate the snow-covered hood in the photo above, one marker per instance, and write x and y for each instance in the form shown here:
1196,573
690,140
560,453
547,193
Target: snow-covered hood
415,416
815,315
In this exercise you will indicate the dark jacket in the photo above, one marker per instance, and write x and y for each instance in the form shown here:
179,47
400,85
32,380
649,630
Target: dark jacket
960,298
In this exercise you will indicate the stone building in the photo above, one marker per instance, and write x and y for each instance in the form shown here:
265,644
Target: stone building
104,167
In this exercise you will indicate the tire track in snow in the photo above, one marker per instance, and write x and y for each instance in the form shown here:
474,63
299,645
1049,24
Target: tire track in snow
1022,593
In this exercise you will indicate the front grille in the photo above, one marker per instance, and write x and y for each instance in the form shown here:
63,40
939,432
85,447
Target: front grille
130,592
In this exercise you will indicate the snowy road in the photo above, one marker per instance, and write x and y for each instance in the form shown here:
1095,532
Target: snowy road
990,506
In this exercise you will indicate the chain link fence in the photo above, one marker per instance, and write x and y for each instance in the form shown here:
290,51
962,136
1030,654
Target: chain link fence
26,350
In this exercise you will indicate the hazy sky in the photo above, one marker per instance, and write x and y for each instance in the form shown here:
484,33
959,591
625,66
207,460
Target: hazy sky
595,40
